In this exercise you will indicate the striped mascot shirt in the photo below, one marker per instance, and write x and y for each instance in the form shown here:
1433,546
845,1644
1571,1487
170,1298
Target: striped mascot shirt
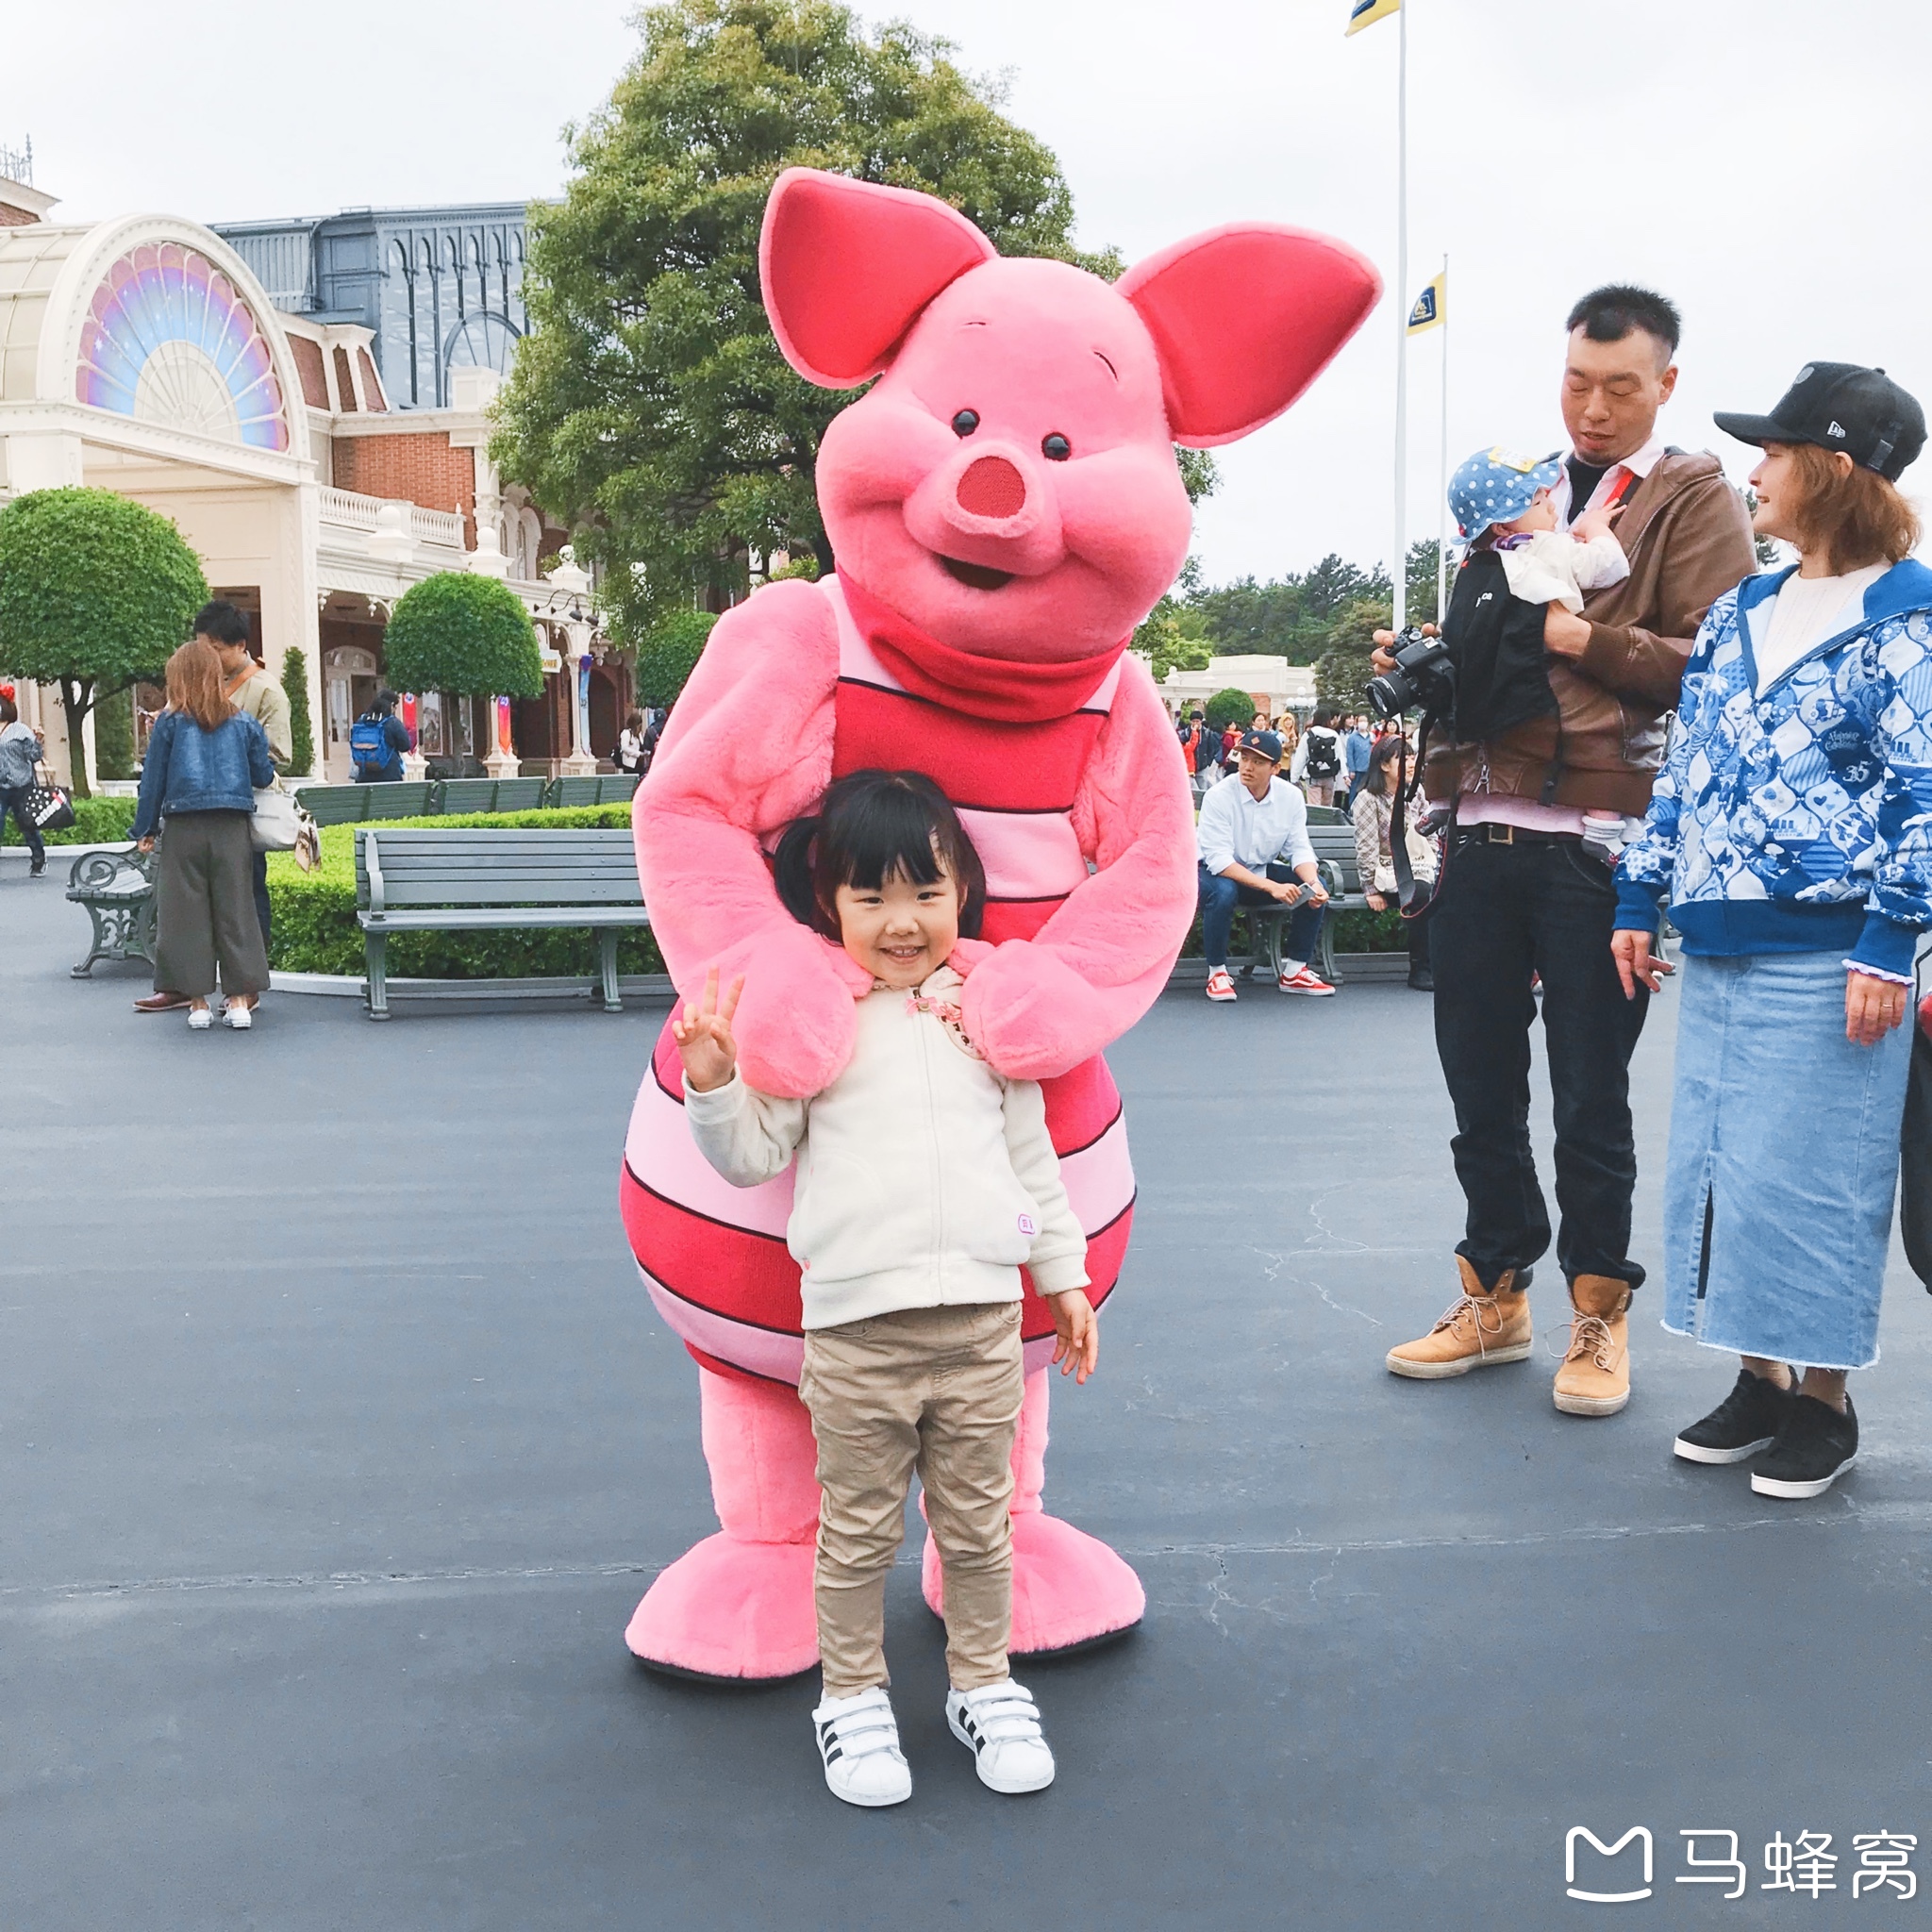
714,1256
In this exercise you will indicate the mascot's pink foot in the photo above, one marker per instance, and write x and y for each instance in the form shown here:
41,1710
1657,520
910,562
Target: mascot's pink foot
1068,1588
730,1609
739,1606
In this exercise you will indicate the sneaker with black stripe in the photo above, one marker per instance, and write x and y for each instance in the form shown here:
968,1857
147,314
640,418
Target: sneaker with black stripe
1743,1422
859,1741
1000,1725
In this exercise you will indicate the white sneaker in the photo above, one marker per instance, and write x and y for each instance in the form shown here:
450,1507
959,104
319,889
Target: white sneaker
1000,1726
200,1019
858,1740
1220,983
239,1018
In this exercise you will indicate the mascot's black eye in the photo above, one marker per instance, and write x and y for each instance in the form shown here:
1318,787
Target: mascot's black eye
966,422
1055,448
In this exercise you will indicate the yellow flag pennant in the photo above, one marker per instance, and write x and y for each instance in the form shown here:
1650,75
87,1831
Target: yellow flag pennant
1431,307
1363,13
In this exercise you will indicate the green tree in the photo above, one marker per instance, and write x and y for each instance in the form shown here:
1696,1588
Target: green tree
301,728
1342,671
114,734
669,653
465,635
1230,706
649,406
95,592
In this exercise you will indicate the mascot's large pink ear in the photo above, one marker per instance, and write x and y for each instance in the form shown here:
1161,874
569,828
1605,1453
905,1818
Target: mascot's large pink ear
848,265
1244,319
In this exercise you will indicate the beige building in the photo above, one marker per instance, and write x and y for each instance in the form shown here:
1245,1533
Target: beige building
141,356
1275,684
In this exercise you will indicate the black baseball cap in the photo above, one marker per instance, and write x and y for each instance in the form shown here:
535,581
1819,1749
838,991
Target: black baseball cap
1841,405
1265,745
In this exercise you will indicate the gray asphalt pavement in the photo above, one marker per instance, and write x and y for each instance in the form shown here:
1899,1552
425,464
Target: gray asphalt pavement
337,1441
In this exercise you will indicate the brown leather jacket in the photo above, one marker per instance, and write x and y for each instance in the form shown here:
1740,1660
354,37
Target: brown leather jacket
1689,540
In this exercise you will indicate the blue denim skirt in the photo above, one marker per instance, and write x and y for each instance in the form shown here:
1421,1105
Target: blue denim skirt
1783,1163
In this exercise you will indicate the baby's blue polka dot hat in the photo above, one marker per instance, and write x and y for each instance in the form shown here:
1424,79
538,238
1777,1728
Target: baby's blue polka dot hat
1496,486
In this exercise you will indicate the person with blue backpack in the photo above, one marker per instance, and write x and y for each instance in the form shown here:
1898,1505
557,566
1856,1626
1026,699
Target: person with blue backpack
377,741
1791,831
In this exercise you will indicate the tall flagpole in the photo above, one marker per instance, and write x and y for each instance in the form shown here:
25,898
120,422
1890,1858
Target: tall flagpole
1442,476
1398,567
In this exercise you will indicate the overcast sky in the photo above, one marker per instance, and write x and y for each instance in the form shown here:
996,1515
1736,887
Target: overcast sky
1762,161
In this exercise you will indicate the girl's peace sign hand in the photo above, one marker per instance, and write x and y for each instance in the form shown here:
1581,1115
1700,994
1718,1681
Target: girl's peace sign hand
702,1033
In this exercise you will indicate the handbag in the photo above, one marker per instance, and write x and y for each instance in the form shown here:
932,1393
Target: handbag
49,808
277,822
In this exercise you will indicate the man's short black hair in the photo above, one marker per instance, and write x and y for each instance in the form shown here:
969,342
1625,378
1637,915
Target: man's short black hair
221,622
1610,313
385,701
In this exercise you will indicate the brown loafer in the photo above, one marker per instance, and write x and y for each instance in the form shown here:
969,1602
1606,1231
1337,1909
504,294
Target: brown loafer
161,1003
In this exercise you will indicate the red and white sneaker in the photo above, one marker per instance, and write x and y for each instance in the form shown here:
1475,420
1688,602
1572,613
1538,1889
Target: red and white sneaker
1303,980
1220,983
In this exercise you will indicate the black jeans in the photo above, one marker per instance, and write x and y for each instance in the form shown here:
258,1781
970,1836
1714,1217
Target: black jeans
1503,913
14,799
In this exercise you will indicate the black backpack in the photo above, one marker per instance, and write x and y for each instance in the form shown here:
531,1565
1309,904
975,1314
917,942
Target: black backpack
1324,754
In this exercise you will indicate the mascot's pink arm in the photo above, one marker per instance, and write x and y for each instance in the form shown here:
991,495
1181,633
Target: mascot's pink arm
749,749
1039,1007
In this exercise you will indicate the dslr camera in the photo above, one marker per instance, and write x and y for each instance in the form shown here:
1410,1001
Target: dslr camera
1423,677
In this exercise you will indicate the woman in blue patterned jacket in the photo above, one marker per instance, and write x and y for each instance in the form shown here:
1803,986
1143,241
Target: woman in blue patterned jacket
1791,829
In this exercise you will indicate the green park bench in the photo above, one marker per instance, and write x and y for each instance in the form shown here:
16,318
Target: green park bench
488,878
335,805
491,794
606,787
117,886
1333,837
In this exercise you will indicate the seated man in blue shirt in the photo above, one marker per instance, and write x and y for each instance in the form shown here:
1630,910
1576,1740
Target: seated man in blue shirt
1253,841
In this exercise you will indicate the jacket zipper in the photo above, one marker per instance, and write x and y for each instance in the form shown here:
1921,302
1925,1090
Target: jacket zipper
923,1024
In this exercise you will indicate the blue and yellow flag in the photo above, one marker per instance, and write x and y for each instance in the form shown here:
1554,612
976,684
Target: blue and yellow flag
1363,13
1431,305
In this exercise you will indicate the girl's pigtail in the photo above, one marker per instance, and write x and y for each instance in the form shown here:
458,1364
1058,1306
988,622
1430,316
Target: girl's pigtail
793,872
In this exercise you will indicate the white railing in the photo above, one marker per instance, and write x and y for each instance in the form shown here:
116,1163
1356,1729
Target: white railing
352,511
348,510
436,526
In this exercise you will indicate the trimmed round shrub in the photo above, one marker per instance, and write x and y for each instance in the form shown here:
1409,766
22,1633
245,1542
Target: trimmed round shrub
670,654
468,634
1230,706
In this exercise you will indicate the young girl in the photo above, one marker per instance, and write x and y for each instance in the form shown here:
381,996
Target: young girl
924,1181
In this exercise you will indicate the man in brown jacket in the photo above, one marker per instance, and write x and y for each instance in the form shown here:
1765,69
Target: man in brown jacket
1522,895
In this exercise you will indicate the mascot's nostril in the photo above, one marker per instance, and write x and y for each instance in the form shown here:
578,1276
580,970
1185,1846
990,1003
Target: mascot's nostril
992,488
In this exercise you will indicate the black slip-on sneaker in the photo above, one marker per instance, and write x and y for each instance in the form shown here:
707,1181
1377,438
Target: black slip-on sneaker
1743,1422
1815,1446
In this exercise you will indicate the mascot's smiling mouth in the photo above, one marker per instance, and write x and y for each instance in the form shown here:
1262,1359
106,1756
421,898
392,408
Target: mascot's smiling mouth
976,575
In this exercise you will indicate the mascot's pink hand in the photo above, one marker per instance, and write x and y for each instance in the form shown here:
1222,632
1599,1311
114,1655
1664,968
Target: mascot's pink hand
967,954
795,1023
1031,1014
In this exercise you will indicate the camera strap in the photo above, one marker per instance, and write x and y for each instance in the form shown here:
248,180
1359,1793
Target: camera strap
1409,895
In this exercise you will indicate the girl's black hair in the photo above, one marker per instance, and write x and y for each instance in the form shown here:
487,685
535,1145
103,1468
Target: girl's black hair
872,826
1381,756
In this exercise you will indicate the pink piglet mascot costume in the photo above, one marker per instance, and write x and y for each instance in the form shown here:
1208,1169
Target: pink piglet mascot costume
1005,508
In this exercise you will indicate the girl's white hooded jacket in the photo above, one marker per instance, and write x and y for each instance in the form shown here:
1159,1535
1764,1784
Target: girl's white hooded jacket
923,1179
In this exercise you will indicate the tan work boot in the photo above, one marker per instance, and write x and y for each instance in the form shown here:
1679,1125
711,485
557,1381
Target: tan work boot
1595,1376
1484,1328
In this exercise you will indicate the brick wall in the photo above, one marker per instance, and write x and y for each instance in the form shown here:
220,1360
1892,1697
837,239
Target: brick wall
421,468
12,217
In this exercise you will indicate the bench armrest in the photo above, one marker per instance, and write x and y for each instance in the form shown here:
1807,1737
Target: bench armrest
371,860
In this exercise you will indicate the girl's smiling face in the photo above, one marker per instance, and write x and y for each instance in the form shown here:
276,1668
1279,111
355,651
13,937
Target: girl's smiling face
900,931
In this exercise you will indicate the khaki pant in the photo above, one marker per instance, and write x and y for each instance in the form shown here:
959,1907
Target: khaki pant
938,1390
205,912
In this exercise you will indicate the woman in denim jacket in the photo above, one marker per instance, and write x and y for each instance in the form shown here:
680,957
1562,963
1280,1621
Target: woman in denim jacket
204,760
1792,831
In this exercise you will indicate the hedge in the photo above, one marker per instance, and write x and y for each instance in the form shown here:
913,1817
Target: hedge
315,928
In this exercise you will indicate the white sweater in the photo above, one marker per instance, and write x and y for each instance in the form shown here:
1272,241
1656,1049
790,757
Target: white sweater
1554,567
925,1180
